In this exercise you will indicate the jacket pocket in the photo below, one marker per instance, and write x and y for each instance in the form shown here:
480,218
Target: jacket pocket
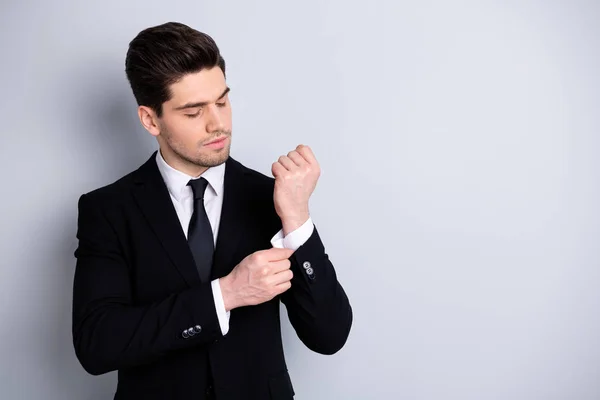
280,386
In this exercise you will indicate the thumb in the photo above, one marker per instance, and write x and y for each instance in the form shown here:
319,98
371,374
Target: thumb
278,254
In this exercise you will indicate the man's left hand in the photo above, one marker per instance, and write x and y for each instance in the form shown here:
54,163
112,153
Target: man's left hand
296,177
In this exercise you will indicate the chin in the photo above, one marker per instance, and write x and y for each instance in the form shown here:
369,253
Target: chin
214,159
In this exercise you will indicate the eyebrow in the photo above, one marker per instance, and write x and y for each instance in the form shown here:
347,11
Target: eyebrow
201,103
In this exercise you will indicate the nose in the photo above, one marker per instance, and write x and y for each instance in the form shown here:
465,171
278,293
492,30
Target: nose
215,120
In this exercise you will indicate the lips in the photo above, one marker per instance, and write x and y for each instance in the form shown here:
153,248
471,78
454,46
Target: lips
217,144
217,141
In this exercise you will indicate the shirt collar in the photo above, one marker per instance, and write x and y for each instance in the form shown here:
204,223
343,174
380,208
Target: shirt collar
177,181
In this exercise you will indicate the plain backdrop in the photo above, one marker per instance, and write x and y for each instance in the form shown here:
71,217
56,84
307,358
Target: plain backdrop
459,199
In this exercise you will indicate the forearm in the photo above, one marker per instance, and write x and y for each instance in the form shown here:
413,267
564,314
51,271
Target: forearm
317,305
110,335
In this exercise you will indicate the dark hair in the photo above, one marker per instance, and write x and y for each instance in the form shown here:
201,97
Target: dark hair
161,55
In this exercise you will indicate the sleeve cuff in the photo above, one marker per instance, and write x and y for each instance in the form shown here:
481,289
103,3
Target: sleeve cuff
294,239
222,315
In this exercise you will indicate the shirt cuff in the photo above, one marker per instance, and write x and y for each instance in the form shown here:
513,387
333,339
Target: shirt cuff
294,239
222,315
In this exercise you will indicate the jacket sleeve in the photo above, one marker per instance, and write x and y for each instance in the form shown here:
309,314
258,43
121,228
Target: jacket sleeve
109,331
317,306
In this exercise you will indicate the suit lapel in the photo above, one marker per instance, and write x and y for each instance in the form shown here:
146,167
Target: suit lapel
234,216
152,196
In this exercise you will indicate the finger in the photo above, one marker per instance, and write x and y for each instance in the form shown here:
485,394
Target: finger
287,163
307,153
279,266
277,169
283,287
276,254
282,277
297,158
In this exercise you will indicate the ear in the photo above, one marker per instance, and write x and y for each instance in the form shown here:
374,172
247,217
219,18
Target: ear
149,120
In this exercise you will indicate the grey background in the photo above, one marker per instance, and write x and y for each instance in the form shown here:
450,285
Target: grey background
459,195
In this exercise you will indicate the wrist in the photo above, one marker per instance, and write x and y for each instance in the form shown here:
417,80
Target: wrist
290,224
229,299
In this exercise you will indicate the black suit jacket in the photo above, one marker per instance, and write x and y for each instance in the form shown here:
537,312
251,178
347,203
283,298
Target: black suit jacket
136,290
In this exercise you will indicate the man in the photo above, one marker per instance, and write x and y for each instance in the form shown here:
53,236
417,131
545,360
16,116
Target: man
182,263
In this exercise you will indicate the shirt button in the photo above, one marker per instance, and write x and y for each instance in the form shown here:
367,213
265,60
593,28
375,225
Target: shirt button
310,271
306,265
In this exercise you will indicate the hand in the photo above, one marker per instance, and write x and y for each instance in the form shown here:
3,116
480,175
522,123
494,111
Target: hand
296,177
257,279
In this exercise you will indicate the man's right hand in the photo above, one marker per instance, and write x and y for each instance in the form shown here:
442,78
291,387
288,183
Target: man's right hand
257,279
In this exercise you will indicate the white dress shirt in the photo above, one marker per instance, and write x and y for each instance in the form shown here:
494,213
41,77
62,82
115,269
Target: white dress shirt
183,201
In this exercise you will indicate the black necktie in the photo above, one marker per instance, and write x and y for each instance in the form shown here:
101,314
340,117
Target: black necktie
200,236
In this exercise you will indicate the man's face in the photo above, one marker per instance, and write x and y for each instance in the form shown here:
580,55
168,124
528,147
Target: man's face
197,114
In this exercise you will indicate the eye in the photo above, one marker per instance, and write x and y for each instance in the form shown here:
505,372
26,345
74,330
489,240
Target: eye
193,115
222,104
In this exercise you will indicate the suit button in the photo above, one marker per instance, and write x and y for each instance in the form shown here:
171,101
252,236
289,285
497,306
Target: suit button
185,334
197,329
210,392
191,332
310,271
306,265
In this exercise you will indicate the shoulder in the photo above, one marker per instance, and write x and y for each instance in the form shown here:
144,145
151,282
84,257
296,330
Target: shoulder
252,177
120,189
111,194
256,189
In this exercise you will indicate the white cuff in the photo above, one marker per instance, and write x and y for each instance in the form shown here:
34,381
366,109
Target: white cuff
222,315
294,239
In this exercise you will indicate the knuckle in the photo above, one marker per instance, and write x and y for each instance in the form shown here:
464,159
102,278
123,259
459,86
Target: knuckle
253,259
265,283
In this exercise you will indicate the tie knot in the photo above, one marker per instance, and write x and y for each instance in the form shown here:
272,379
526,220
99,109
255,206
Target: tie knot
198,187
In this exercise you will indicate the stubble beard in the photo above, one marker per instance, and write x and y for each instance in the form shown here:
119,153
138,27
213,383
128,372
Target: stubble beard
210,159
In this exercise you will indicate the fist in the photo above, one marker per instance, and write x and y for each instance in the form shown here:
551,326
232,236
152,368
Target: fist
257,279
296,177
